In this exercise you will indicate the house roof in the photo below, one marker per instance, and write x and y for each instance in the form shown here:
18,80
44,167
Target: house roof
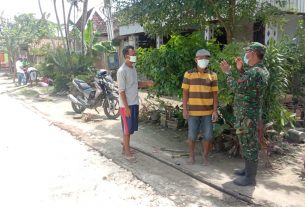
99,24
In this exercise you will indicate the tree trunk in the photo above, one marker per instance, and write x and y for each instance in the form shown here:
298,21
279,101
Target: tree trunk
40,9
58,23
231,22
65,25
230,36
68,22
84,22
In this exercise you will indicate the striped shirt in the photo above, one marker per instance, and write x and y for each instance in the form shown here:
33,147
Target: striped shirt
201,86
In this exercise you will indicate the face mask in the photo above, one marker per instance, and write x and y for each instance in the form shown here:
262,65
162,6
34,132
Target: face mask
246,60
203,63
133,59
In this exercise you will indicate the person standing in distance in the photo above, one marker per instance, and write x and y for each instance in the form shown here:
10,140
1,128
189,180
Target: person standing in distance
200,102
20,72
128,98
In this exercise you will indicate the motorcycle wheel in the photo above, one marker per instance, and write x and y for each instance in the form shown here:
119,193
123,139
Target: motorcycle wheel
77,108
112,108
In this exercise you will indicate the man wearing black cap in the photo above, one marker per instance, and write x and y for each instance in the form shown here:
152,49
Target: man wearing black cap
249,90
200,103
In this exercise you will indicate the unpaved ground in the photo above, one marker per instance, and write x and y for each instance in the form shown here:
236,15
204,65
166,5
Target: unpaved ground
278,187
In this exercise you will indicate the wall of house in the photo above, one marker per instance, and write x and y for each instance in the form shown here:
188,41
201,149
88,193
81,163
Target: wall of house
244,32
290,27
130,29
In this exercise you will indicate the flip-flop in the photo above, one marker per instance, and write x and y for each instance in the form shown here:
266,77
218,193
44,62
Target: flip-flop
205,162
190,162
131,159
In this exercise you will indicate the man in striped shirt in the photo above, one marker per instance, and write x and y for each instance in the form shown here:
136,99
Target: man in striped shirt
200,102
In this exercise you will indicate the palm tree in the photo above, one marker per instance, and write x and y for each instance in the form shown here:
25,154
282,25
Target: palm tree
84,21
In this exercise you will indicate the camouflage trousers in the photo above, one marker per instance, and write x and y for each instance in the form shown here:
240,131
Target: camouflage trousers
246,131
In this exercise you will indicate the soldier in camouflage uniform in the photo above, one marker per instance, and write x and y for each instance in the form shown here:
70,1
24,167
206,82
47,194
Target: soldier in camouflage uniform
248,99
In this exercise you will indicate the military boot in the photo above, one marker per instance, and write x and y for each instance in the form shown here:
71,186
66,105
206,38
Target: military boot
250,174
240,172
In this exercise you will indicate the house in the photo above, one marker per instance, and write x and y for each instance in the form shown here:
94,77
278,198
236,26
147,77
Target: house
134,34
105,30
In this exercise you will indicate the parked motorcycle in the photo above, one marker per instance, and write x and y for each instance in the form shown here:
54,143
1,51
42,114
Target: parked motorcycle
105,94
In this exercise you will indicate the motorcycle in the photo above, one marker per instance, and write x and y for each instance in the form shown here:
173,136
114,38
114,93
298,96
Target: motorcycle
104,94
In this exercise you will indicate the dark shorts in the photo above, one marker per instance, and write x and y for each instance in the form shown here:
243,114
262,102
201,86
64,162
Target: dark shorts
130,124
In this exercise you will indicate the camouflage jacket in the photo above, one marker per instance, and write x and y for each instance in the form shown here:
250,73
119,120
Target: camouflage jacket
249,90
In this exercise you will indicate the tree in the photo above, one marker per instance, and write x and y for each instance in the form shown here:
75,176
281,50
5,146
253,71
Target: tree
162,17
23,30
84,22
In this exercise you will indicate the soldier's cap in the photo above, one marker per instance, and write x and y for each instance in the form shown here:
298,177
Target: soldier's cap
203,52
257,47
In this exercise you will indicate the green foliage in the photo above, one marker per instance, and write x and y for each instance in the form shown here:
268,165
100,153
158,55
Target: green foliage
91,40
89,35
167,65
293,50
218,129
63,67
42,51
104,47
285,61
115,42
274,111
229,53
29,92
61,83
186,14
24,30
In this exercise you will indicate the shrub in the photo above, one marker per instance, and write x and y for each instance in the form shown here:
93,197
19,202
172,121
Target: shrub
62,67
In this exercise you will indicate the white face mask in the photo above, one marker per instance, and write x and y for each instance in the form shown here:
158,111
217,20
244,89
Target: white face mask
203,63
133,59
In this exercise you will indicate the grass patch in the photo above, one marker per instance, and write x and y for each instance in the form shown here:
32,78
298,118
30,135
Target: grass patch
29,92
45,90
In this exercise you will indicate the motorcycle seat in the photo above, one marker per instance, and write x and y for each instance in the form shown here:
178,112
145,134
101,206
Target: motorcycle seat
82,84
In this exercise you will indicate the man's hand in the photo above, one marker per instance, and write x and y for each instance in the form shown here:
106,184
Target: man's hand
239,64
127,112
214,116
225,67
185,114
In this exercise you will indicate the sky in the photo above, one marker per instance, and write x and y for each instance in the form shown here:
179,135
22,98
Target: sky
15,7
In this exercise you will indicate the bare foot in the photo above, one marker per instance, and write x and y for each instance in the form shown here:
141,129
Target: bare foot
205,161
130,158
191,161
132,151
